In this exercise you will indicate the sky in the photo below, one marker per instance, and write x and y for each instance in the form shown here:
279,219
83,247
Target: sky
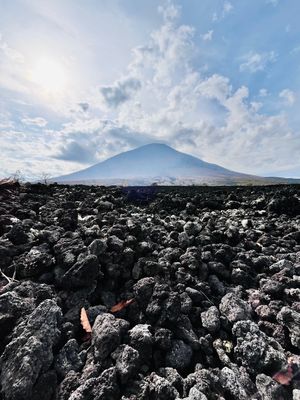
83,80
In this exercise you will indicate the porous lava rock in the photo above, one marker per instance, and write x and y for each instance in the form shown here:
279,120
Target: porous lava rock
188,293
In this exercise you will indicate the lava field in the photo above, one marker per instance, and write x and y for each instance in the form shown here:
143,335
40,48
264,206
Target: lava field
155,293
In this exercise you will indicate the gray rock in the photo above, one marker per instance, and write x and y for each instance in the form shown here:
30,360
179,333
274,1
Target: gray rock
179,356
36,262
184,330
143,290
230,382
97,247
270,389
211,319
272,287
127,362
17,235
104,205
195,394
161,388
67,250
183,240
246,223
12,307
173,377
280,265
255,350
83,273
163,338
296,394
291,319
186,303
195,295
68,359
30,351
107,331
68,385
192,228
234,308
204,380
105,387
46,384
142,340
115,244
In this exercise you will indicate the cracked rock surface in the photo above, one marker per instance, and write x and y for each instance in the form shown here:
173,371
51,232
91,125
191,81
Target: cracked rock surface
212,275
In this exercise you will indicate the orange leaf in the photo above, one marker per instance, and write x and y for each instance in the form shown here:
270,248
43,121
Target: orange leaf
122,304
85,321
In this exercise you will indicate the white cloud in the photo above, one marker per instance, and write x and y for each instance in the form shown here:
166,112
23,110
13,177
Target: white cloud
254,62
214,17
273,2
227,7
169,11
120,92
255,106
74,151
215,87
202,114
11,68
37,121
6,120
9,52
207,36
263,92
288,96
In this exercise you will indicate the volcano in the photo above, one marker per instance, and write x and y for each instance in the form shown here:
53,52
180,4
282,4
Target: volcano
160,164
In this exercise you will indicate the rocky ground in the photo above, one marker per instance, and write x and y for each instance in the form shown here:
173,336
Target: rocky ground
212,275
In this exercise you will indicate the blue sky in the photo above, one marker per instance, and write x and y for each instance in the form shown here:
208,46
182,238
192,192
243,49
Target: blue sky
82,80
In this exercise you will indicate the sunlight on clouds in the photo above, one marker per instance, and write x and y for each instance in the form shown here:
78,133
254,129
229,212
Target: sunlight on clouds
48,74
237,117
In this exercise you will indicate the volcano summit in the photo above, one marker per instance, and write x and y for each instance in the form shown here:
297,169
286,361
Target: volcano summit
160,164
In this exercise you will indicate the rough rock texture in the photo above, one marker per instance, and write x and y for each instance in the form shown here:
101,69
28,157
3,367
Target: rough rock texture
212,275
106,335
30,350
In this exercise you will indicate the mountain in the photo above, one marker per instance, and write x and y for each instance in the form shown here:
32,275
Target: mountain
160,164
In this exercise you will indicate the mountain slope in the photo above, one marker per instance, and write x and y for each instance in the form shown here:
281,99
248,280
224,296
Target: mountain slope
155,163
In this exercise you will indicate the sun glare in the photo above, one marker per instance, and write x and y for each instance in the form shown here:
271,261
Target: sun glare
49,75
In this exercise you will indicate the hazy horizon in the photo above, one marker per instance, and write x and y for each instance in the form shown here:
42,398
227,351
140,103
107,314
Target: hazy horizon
82,81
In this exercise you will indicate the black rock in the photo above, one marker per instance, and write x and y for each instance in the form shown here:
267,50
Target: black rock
255,350
234,308
211,275
36,262
127,362
107,332
68,359
179,356
17,234
104,387
30,351
291,319
82,273
269,389
142,340
211,319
